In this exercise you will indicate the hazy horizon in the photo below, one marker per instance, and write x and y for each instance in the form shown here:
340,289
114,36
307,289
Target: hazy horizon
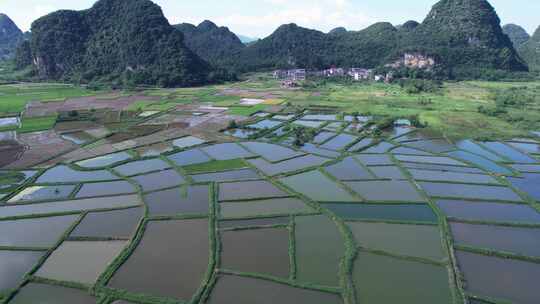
260,18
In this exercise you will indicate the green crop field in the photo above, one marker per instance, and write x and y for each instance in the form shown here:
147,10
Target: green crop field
458,109
13,98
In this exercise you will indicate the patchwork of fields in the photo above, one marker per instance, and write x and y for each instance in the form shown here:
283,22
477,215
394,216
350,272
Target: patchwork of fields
345,216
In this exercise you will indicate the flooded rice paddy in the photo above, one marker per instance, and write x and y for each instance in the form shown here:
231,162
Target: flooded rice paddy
64,264
37,232
244,290
384,212
346,218
116,224
191,199
318,187
176,252
504,279
423,241
269,253
386,280
271,207
14,265
41,293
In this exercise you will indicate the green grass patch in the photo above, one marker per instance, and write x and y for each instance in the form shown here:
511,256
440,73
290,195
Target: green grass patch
14,97
34,124
216,166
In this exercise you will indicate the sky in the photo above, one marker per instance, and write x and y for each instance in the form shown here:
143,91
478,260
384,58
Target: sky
259,18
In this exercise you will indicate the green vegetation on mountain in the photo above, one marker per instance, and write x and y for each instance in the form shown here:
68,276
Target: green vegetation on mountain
214,44
289,46
530,51
23,55
116,41
409,25
131,43
10,37
463,36
338,30
517,34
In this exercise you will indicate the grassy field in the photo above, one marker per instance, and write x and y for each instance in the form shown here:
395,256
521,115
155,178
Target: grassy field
216,166
13,98
453,109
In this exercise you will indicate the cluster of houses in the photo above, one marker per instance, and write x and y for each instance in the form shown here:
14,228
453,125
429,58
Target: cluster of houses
291,77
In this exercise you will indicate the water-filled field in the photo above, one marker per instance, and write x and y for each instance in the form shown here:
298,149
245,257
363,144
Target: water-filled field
402,217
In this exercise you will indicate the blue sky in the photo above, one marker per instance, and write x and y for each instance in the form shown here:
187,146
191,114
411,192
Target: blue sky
259,18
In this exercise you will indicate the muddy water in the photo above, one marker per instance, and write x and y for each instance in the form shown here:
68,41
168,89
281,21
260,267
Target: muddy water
190,157
374,159
78,137
10,151
392,212
505,279
475,148
319,248
287,165
508,152
119,223
193,199
248,190
339,142
470,191
105,160
227,151
242,290
13,266
141,166
64,264
255,222
183,250
489,211
386,191
452,177
71,206
267,253
38,232
524,241
385,280
323,136
159,180
410,240
36,193
105,188
348,169
233,175
41,293
64,174
272,153
387,172
318,187
528,183
270,207
481,162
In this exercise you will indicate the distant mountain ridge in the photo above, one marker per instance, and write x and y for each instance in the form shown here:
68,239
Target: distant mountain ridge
212,43
131,42
530,51
10,37
517,34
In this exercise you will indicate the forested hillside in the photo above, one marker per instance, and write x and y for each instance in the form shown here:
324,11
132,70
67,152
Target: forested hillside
118,41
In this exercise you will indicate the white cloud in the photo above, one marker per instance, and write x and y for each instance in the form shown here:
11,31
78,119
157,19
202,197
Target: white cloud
323,15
